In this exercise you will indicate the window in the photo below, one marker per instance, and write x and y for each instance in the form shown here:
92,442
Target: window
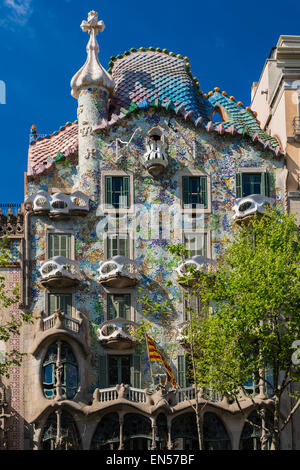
194,189
117,192
184,371
252,183
61,302
191,306
118,369
118,306
68,375
196,243
117,244
59,244
68,438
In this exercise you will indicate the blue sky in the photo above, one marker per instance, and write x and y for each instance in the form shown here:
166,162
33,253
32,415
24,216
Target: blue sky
42,46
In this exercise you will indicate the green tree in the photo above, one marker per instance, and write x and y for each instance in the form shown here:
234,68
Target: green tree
13,324
250,321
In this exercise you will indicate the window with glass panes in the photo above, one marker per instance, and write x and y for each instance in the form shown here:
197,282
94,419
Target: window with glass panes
117,244
59,244
194,192
118,305
117,192
252,183
191,306
61,302
196,243
117,369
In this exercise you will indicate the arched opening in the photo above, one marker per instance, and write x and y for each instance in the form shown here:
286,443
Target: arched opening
250,438
162,432
60,371
107,434
184,434
217,115
137,432
215,436
60,432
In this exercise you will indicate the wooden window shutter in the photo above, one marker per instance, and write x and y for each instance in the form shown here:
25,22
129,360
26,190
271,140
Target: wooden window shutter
125,195
185,190
181,371
203,191
238,185
108,190
265,184
103,371
135,371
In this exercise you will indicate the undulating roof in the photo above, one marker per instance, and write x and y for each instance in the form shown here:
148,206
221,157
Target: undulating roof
155,78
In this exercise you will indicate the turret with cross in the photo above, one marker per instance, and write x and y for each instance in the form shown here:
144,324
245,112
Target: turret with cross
92,86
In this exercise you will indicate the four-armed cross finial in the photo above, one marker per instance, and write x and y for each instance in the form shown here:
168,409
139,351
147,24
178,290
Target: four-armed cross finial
92,24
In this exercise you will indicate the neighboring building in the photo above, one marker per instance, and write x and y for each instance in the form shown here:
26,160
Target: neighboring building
89,252
276,100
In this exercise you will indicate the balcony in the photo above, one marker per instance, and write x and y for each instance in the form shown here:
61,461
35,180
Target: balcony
246,207
117,334
197,263
59,205
60,324
155,159
118,272
60,272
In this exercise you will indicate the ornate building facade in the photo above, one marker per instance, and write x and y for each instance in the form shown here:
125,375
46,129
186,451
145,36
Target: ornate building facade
151,161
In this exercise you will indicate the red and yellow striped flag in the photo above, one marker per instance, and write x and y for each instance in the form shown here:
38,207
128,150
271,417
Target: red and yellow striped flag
156,356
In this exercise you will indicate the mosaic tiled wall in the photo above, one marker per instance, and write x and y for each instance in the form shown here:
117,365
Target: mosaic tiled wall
188,148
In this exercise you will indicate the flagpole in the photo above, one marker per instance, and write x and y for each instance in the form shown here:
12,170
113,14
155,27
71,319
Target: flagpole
149,359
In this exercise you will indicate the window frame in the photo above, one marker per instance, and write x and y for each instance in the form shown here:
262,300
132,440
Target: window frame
60,232
119,232
252,170
195,173
112,210
120,292
60,292
198,232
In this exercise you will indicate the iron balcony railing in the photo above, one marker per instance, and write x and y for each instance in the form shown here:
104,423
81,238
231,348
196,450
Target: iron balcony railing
296,127
13,207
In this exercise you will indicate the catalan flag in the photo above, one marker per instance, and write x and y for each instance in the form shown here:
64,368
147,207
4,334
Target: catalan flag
156,356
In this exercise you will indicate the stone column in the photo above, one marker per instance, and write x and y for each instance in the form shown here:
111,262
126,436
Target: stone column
154,429
121,421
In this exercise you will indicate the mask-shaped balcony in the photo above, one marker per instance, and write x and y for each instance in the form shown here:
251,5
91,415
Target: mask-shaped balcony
187,278
58,205
60,272
117,334
246,207
118,272
155,159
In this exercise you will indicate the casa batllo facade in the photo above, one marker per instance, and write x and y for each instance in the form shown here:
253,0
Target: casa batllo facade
151,161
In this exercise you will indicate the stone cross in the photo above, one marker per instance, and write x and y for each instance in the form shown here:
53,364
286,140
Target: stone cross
92,24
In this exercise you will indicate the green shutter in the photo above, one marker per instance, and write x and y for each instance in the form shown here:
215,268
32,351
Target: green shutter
110,307
135,371
103,371
59,245
52,303
185,189
238,185
125,195
181,371
203,191
108,191
265,184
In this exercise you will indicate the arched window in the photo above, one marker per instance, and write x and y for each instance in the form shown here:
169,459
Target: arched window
107,434
184,432
137,432
250,439
60,371
60,432
215,436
